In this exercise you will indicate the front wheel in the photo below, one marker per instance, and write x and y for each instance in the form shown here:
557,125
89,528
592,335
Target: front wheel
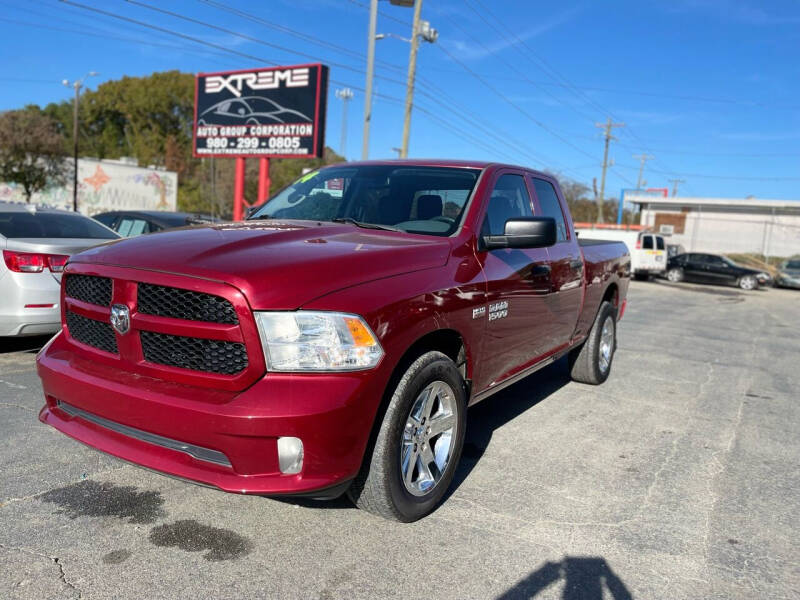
591,361
419,442
748,282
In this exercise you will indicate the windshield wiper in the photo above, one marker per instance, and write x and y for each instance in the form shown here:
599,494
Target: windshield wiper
352,221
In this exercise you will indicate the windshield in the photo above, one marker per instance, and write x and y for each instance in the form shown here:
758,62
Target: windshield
52,225
426,200
792,264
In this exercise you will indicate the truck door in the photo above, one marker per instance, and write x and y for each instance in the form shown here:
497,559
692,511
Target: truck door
566,263
518,285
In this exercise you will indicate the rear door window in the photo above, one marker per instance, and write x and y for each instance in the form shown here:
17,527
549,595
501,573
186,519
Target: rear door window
43,225
660,243
551,207
647,242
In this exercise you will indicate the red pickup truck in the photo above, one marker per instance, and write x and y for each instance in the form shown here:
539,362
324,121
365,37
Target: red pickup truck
332,342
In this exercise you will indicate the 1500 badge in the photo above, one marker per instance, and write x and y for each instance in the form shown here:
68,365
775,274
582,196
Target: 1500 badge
498,310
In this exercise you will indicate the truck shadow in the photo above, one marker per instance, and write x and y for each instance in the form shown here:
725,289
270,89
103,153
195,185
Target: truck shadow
23,344
494,412
482,420
584,578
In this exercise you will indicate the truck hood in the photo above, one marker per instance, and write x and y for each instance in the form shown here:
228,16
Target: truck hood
277,265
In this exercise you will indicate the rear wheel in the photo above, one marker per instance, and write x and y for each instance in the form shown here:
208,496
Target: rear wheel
675,275
419,442
591,362
748,282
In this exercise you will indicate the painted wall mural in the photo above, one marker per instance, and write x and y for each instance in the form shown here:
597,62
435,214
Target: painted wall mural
106,185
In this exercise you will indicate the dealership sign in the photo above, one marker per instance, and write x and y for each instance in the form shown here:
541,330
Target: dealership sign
276,112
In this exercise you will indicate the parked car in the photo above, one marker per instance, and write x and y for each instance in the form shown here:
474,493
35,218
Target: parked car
36,243
648,250
789,274
136,222
332,342
712,268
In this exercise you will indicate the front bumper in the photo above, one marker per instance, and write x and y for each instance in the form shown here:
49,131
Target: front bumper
109,409
788,282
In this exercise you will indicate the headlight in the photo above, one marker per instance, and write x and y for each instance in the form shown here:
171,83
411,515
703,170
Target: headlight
762,276
317,341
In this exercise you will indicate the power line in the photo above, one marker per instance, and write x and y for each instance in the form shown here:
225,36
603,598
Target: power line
430,114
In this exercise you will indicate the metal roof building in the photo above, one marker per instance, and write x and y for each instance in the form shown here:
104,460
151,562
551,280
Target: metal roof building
769,227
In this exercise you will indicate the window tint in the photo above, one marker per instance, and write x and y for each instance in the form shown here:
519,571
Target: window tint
509,200
51,225
106,219
713,260
659,243
551,207
647,242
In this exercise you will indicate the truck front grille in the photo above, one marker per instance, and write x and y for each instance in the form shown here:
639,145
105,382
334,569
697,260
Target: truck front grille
213,356
184,304
87,288
92,333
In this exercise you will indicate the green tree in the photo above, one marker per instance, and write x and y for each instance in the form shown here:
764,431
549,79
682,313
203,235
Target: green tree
31,150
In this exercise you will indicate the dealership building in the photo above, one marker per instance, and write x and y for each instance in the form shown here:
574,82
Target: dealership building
752,225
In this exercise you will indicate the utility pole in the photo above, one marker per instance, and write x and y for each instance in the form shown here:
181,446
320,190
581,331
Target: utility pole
345,95
373,21
607,127
643,158
412,71
76,85
675,183
419,29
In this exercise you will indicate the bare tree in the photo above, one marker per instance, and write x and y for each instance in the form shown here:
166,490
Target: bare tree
31,150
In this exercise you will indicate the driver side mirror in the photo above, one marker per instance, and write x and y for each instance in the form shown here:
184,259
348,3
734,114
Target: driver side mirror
524,232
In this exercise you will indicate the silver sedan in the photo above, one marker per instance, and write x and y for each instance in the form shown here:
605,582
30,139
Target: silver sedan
36,243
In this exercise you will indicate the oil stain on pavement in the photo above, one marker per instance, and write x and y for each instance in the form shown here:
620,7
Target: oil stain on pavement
189,535
92,499
116,556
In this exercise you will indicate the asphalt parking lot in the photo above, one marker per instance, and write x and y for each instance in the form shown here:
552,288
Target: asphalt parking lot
678,478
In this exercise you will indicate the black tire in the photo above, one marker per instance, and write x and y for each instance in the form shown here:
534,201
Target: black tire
585,363
380,488
675,275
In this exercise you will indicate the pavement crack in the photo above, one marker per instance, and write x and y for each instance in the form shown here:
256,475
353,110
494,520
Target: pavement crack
62,576
19,406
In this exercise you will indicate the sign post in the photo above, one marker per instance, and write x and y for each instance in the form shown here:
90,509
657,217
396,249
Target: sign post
275,112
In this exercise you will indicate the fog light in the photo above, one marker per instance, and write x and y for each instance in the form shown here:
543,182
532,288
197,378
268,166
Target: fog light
290,455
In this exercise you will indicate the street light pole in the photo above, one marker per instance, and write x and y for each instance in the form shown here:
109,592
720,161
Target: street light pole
373,21
345,95
76,85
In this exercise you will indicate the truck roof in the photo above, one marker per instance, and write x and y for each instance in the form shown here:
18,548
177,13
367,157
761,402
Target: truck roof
439,162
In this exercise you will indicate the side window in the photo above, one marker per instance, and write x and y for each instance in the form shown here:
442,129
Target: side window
647,242
128,227
551,207
509,200
659,243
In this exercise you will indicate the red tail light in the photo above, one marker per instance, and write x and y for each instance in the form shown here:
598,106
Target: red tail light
638,244
32,262
57,262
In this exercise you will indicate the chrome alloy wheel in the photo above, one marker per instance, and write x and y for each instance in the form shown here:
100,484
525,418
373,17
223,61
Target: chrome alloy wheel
606,344
428,438
674,275
747,283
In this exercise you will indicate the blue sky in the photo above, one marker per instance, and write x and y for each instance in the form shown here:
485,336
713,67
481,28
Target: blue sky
711,88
